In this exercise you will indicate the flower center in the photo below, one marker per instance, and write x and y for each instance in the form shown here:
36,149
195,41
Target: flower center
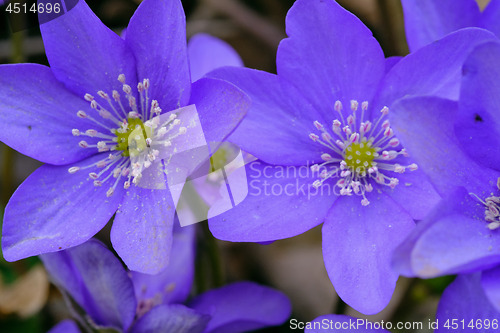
123,134
134,142
492,209
359,153
359,156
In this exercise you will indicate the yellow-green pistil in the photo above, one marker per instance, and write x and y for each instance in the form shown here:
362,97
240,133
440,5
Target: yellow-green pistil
359,156
135,126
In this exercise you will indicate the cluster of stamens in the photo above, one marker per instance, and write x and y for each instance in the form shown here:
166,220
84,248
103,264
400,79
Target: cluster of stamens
134,142
492,211
358,152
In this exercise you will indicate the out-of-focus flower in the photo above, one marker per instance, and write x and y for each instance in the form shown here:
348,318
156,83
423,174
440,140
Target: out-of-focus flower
460,149
207,53
95,156
135,302
327,151
429,20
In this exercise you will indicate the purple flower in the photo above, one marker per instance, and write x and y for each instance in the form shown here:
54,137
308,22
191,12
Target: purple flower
135,302
461,235
307,125
429,20
78,115
464,307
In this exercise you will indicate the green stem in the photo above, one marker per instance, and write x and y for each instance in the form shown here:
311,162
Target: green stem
394,33
7,174
17,47
213,252
340,307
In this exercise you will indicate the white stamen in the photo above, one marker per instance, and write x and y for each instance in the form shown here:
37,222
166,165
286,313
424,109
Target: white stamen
361,156
73,169
81,114
354,105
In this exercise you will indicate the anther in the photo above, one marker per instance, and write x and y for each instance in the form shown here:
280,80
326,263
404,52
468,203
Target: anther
91,132
81,114
326,157
127,89
354,105
338,106
318,125
73,169
325,136
102,94
364,106
394,142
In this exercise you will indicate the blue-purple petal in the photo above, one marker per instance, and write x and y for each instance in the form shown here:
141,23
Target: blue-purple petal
281,203
157,37
454,238
323,61
428,20
37,114
207,53
221,106
84,54
97,281
358,242
279,121
54,210
174,283
142,229
478,124
490,281
242,307
489,17
439,68
391,62
415,194
65,326
465,304
171,318
425,127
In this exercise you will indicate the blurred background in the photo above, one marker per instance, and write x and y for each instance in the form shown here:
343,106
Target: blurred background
29,303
